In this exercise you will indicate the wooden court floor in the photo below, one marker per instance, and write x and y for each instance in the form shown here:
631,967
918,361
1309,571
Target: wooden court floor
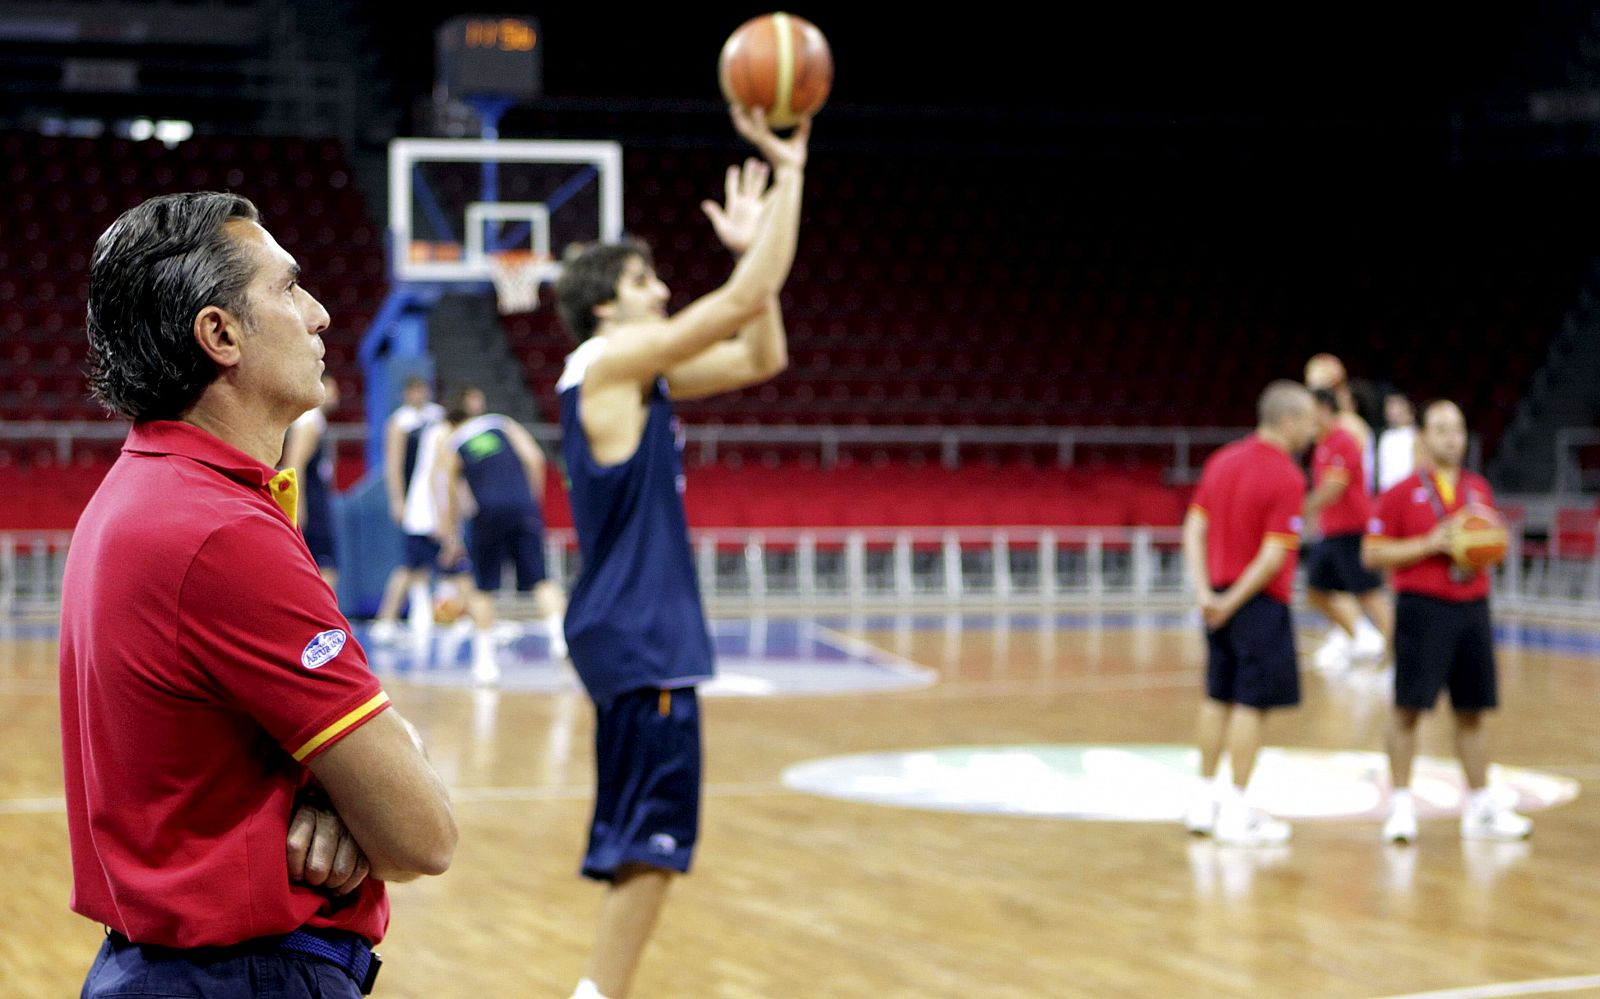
796,895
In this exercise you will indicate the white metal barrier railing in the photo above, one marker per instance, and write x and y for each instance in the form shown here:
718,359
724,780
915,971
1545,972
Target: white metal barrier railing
31,567
868,566
1185,446
1570,475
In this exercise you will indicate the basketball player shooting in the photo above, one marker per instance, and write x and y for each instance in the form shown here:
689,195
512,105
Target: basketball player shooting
636,630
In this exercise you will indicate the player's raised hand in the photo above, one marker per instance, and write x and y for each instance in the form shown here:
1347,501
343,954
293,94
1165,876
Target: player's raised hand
737,220
791,152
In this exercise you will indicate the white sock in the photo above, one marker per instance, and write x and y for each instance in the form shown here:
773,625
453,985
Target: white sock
558,638
1400,800
1482,799
483,648
587,990
1230,795
421,613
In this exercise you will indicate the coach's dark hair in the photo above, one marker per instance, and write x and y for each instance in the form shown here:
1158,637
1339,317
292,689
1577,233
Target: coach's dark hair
152,272
590,279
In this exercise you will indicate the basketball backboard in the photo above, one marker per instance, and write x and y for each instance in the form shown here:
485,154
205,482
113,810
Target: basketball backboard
453,203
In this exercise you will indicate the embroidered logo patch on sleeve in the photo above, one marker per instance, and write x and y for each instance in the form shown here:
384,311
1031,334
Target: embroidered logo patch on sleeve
322,649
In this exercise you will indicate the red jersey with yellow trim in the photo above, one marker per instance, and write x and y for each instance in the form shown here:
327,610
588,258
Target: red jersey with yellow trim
1338,456
203,662
1251,493
1408,510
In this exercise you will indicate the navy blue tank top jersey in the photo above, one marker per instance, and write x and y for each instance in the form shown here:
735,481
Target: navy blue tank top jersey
634,619
491,467
317,490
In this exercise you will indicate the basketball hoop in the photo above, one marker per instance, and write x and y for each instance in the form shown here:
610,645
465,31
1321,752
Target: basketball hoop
517,275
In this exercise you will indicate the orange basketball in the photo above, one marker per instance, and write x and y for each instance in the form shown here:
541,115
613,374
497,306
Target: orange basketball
779,62
449,603
1325,371
1480,540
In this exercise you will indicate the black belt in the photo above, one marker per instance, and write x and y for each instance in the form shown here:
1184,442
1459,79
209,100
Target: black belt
346,951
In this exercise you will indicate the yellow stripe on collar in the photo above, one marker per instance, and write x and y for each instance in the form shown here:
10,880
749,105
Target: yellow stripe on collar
285,490
1447,489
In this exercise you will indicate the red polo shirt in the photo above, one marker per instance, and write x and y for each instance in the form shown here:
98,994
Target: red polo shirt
1407,511
1338,458
203,662
1251,494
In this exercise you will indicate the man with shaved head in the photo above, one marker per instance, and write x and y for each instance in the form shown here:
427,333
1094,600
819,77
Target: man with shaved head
1241,540
1442,634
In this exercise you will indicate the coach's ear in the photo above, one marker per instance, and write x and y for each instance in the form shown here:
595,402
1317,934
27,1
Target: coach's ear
218,333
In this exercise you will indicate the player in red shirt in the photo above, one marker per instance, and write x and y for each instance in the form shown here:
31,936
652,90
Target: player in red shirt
1443,635
210,688
1240,542
1336,513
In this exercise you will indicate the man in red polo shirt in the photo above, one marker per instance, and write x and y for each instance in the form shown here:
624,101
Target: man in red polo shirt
1336,513
1443,636
210,689
1240,544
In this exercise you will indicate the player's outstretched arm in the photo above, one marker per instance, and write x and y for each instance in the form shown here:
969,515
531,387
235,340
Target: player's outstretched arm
530,455
394,446
650,349
760,350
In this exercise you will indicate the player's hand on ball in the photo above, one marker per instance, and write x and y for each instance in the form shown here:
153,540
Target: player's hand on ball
1441,540
737,221
791,152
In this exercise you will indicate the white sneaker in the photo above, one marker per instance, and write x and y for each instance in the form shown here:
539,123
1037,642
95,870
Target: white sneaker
485,672
1401,826
1241,825
1201,817
1488,819
1369,645
1333,655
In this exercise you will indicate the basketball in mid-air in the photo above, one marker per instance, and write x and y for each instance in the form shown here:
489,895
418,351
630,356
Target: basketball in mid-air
1480,541
1325,371
779,62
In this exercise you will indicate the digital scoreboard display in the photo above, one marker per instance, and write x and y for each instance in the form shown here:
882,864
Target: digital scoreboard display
484,56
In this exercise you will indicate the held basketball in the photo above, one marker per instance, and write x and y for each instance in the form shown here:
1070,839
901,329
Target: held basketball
449,603
1480,541
779,62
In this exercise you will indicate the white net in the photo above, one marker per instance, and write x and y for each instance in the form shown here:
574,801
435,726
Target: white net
517,276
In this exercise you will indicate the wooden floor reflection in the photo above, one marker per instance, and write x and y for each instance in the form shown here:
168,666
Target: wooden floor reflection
799,896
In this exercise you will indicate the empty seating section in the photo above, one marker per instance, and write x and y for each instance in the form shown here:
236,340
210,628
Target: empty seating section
62,193
963,292
951,291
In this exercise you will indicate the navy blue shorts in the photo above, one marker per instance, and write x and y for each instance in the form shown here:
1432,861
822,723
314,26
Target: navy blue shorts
647,777
1333,565
500,536
1439,643
127,969
421,551
1252,659
319,538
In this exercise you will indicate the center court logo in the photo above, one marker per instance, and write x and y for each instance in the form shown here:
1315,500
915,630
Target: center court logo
1141,783
322,649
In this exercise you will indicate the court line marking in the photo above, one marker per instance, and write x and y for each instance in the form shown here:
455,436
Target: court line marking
467,795
1533,987
530,793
